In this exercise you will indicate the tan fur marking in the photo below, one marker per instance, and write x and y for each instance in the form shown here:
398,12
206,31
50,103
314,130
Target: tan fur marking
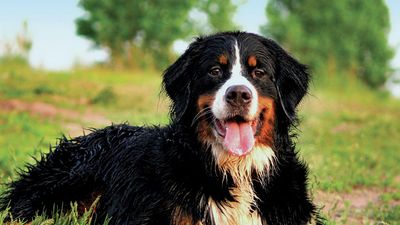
222,59
85,204
260,160
204,101
265,137
181,218
252,61
203,129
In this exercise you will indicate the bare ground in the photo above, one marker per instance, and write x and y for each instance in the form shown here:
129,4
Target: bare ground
350,207
47,110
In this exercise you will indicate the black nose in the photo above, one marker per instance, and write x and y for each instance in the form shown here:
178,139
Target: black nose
238,95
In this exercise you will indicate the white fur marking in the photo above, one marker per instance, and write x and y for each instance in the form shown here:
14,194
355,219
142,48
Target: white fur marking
261,160
219,107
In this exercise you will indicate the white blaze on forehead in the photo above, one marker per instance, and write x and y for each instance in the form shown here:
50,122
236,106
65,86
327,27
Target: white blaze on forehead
237,66
219,107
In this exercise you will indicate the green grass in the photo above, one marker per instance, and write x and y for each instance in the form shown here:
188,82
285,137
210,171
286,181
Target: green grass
77,99
349,134
351,141
22,136
57,218
79,90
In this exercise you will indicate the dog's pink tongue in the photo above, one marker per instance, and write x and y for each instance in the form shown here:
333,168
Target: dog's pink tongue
239,138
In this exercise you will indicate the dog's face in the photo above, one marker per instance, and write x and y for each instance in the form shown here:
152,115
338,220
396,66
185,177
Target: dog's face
235,88
235,95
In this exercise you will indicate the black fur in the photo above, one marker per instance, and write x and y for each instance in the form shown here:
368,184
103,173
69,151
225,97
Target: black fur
144,173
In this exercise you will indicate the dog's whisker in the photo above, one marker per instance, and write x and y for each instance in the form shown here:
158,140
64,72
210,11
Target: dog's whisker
203,112
202,115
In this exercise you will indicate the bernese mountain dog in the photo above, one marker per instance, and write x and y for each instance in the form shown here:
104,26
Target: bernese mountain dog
226,157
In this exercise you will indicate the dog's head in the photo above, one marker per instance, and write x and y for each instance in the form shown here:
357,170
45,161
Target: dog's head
235,89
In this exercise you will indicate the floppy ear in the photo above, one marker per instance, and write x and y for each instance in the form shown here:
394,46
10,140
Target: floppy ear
291,79
177,80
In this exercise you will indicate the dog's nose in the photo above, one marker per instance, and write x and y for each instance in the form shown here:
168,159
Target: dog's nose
238,95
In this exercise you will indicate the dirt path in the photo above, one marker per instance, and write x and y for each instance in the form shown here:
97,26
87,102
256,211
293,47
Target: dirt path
350,207
47,110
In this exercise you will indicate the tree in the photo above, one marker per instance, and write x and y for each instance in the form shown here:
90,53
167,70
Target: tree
344,36
147,27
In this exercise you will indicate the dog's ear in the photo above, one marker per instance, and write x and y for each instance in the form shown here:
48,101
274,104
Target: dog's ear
291,79
177,80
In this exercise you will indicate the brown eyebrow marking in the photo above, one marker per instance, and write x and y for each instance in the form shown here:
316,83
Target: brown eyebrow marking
223,59
252,61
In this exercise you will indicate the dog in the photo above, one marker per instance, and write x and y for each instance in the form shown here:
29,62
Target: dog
226,157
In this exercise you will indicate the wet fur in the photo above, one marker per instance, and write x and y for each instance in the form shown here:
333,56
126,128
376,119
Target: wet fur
178,174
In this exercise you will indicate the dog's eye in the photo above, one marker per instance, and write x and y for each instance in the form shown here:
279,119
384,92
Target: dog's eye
258,73
215,71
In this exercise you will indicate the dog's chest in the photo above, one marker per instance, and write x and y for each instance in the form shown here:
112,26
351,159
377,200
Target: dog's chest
238,212
235,212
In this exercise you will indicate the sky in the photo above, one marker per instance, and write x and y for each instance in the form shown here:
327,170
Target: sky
56,46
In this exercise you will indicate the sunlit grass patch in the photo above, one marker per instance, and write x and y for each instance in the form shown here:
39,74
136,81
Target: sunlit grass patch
72,216
350,140
23,136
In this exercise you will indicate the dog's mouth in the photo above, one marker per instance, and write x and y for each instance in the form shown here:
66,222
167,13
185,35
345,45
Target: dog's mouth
238,134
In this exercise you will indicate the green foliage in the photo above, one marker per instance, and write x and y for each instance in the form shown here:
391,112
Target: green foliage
335,36
43,89
147,27
387,213
105,96
58,218
3,216
220,14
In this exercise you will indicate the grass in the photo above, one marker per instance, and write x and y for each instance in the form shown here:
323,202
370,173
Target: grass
349,138
348,132
79,99
23,135
57,218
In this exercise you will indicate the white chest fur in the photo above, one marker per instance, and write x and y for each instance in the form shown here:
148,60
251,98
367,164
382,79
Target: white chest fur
236,212
239,212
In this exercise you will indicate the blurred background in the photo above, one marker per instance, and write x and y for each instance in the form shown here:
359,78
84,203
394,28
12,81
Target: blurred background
70,65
